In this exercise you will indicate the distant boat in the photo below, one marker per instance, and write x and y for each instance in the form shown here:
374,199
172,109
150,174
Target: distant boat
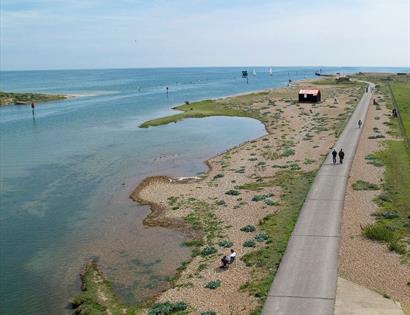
270,72
254,72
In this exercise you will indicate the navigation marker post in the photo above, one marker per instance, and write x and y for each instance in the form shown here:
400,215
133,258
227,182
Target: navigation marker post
32,110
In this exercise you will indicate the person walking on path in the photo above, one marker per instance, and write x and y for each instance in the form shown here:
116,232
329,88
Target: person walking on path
359,123
334,154
341,156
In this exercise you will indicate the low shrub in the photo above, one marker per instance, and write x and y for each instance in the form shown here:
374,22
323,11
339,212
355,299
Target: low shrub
233,192
261,237
213,284
167,308
248,228
218,176
249,243
208,250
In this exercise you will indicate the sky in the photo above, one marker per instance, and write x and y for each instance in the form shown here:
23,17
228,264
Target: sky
87,34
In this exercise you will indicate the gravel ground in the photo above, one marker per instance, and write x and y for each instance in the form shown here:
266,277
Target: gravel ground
362,261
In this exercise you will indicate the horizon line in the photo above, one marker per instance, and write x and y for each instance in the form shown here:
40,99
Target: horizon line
193,67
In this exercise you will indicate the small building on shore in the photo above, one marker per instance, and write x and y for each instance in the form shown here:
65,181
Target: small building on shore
309,96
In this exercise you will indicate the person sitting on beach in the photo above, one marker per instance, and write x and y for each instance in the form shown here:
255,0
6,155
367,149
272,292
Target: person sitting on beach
228,259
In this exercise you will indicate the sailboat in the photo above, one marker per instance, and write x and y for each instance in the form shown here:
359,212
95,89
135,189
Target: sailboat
270,71
254,72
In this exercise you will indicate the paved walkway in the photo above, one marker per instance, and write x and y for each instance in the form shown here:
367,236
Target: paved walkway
353,299
305,283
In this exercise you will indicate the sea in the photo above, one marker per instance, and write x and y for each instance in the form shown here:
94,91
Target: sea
66,176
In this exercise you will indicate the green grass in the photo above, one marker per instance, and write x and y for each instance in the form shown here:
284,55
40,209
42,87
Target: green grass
363,185
278,227
208,108
401,92
27,98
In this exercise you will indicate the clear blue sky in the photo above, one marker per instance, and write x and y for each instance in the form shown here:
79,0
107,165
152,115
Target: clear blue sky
60,34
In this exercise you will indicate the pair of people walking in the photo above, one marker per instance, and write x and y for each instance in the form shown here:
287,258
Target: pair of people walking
341,156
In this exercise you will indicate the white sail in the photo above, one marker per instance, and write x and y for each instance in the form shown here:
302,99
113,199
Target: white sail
270,71
254,72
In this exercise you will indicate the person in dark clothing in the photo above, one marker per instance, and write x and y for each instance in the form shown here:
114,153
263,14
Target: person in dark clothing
359,123
334,154
341,156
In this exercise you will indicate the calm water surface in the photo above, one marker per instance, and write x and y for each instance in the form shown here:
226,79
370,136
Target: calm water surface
66,177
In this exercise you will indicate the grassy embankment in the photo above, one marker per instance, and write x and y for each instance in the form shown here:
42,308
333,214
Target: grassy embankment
392,223
97,297
7,98
207,108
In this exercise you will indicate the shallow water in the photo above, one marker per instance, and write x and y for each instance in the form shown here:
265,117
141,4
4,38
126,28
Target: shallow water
66,177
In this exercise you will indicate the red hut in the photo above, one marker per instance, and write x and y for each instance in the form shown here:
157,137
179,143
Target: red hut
310,96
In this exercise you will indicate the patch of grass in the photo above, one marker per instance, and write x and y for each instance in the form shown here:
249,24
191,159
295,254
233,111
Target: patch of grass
202,267
379,232
363,185
287,152
193,243
225,243
374,160
249,243
278,226
208,313
271,202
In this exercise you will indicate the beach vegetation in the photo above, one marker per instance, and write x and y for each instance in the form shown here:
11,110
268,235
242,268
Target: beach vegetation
225,243
193,243
364,185
208,250
213,284
248,228
202,267
208,313
168,308
249,243
261,237
233,192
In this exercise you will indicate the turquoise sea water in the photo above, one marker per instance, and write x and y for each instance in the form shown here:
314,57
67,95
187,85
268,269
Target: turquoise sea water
65,178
